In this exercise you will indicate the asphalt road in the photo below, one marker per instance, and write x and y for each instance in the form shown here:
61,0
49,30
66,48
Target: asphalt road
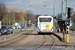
33,40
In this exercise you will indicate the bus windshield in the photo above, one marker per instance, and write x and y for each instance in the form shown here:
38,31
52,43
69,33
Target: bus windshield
45,19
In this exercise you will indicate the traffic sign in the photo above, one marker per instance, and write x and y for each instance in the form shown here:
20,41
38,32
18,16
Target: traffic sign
74,8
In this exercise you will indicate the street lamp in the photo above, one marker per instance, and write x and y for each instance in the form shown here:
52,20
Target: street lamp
9,16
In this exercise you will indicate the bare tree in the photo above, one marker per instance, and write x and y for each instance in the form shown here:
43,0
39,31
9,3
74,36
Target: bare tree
3,10
30,16
17,14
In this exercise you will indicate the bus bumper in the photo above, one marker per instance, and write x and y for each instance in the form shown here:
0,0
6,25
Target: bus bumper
45,33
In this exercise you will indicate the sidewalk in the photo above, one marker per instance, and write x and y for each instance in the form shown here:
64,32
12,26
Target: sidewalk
60,43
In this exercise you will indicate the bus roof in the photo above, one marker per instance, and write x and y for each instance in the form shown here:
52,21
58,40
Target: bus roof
45,16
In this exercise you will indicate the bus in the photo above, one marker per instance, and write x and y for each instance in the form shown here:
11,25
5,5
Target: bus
45,24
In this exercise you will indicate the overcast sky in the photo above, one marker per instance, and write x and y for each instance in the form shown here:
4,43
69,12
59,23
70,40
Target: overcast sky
37,6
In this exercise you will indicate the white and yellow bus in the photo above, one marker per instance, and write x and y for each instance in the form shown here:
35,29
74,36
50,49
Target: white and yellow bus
45,24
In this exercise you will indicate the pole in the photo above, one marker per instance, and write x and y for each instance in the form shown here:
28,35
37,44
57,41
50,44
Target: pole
53,16
74,15
67,35
10,19
7,19
62,9
74,19
3,20
14,17
66,8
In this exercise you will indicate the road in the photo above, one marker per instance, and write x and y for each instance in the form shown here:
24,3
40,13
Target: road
29,40
15,30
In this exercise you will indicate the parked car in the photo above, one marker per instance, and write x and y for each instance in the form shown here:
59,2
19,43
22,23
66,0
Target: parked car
13,27
10,28
23,27
17,27
6,29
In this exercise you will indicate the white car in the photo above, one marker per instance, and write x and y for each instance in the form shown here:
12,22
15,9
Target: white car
13,27
18,27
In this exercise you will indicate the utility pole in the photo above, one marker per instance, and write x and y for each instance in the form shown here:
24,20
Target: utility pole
7,18
14,17
53,16
66,7
62,9
74,19
3,20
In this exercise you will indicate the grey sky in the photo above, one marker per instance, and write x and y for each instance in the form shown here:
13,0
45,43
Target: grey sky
37,7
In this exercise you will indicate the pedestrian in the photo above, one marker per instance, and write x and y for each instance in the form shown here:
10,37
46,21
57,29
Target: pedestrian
57,27
62,27
65,27
0,33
